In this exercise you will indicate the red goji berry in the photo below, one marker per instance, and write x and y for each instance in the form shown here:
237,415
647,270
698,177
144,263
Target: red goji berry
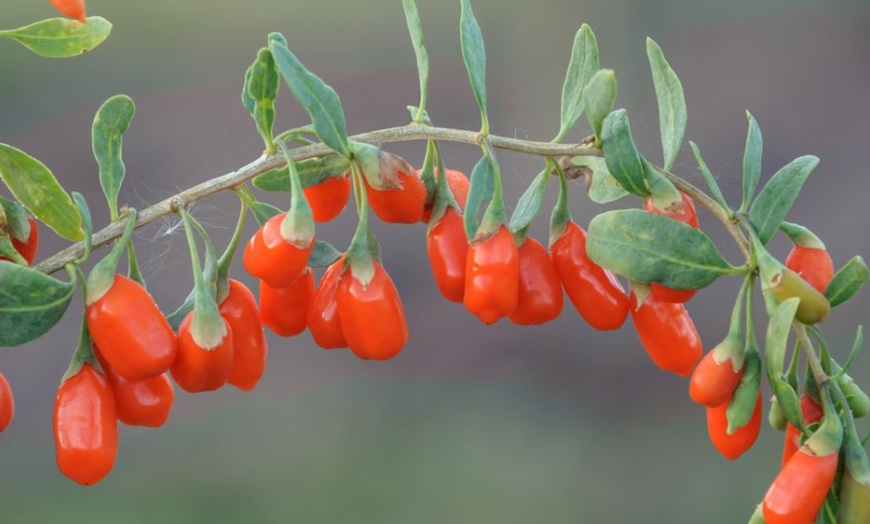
447,247
812,412
200,369
28,248
250,350
737,443
328,198
667,333
285,310
7,403
322,317
403,205
812,264
713,382
145,402
799,490
458,184
71,8
540,293
689,216
492,276
269,256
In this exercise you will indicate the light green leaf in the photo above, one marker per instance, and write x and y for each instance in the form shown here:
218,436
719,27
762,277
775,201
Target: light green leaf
751,161
312,172
481,186
259,93
647,247
415,28
61,37
715,191
662,191
621,155
474,56
598,98
318,99
530,203
600,184
778,195
37,189
110,123
16,219
323,254
847,281
31,303
671,101
581,68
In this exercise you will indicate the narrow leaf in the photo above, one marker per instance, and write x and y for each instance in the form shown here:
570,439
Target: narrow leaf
778,330
530,203
110,123
323,254
847,281
259,93
61,37
474,56
37,189
647,247
263,211
318,99
715,191
598,98
778,195
480,190
311,172
31,303
751,161
671,101
621,155
581,68
415,29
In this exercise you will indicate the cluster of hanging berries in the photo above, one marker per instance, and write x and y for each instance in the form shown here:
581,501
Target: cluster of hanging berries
130,354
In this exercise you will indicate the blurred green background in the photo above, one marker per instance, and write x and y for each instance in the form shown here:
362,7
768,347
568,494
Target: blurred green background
470,423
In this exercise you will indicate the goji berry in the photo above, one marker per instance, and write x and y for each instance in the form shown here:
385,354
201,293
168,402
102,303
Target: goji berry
145,402
688,216
28,248
540,292
71,8
799,490
812,412
328,198
737,443
458,184
271,257
285,310
492,276
713,381
812,264
250,350
447,247
402,205
7,403
322,317
667,333
200,369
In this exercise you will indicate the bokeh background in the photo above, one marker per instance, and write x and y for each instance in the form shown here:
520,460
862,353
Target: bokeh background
470,423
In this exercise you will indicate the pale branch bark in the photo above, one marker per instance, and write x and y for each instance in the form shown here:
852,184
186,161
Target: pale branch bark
265,163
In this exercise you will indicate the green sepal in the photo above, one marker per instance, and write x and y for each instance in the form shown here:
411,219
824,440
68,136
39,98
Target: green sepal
751,161
599,97
640,290
110,123
208,329
775,417
259,93
14,218
297,227
102,275
61,37
364,249
84,353
648,247
225,262
31,303
368,157
480,190
7,250
415,29
757,515
671,102
847,281
801,236
665,196
715,191
427,175
828,437
312,172
581,68
621,155
742,406
474,56
601,187
529,204
561,214
319,100
39,191
778,195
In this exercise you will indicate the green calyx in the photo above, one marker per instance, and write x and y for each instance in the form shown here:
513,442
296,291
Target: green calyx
208,328
102,276
561,213
225,262
84,353
444,197
775,416
801,236
364,249
297,227
495,215
829,436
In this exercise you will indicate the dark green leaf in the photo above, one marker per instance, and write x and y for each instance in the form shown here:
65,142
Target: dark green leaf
323,254
647,247
480,190
259,93
16,219
37,189
847,281
415,28
751,161
110,123
778,195
318,99
623,160
530,203
600,184
715,192
312,172
672,103
31,303
263,211
581,68
61,37
598,99
474,55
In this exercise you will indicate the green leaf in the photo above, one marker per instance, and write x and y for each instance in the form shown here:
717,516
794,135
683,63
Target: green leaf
751,161
323,254
647,247
263,211
110,123
742,406
177,317
581,68
318,99
663,193
31,303
715,192
259,93
776,344
312,172
415,28
600,184
481,186
671,100
598,98
61,37
847,281
623,160
474,56
530,203
368,157
37,189
16,219
778,195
